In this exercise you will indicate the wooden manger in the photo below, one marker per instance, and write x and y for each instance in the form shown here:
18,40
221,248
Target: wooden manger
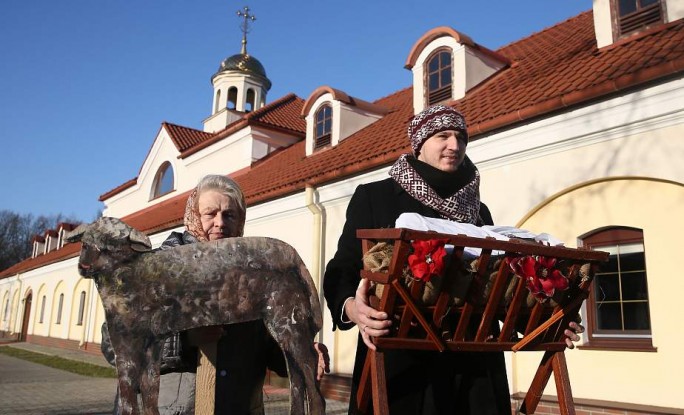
494,301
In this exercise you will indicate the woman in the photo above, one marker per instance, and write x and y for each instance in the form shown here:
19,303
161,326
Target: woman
216,210
438,180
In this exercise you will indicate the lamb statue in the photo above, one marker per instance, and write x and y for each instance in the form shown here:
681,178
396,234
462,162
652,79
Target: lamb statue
149,294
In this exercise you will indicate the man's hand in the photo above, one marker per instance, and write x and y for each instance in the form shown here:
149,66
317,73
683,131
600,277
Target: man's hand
323,360
370,321
572,334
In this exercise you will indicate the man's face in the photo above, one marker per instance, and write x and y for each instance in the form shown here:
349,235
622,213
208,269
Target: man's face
219,215
444,150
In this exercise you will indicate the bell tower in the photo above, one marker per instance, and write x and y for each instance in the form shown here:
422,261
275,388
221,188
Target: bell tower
240,84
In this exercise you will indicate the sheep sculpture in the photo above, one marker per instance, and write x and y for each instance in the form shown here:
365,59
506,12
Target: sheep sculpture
149,294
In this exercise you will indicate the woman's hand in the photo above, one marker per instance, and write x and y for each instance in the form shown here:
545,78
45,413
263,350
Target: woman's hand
572,334
323,360
370,321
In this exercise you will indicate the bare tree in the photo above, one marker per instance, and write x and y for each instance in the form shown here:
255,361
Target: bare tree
17,232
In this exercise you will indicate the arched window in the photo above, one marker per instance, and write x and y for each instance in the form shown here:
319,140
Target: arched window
59,309
618,312
163,181
216,101
438,75
4,316
634,15
323,127
249,105
232,98
81,308
42,310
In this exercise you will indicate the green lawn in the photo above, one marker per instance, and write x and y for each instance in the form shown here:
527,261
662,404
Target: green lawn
73,366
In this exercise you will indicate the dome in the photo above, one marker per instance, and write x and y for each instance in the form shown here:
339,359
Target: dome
244,63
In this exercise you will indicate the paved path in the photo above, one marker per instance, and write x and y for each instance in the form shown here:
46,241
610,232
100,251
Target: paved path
30,388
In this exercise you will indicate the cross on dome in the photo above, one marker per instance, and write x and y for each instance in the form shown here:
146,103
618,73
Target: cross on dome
244,26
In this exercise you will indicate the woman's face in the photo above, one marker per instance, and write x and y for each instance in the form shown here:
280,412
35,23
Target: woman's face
219,215
444,150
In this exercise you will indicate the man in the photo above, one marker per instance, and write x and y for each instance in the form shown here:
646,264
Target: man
437,180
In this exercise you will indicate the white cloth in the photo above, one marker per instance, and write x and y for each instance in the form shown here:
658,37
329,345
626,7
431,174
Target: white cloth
502,233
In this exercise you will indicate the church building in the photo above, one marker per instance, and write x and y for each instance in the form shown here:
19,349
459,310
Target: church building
577,130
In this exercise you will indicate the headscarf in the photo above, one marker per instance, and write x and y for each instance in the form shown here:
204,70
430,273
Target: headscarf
192,218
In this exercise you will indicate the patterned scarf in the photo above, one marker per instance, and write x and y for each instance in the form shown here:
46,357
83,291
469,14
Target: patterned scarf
192,218
463,206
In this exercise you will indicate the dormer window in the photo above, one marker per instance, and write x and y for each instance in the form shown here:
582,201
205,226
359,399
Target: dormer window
350,114
637,14
439,76
447,64
323,128
163,181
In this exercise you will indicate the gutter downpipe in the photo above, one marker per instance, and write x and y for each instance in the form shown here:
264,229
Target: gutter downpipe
317,211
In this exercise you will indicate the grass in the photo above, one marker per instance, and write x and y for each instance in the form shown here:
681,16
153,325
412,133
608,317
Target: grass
72,366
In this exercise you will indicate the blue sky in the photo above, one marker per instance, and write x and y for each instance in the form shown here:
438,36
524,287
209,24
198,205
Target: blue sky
85,84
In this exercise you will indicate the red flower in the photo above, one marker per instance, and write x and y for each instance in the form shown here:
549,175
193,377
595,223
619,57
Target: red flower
427,258
539,274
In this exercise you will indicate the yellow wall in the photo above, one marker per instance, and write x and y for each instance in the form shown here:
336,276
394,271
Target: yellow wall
657,207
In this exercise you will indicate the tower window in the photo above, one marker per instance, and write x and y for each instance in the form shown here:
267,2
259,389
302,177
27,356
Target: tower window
249,105
634,15
216,102
232,98
323,127
438,77
163,181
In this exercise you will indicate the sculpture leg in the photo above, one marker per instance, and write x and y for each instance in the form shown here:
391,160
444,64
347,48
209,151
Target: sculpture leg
129,364
149,385
128,374
313,389
302,363
296,342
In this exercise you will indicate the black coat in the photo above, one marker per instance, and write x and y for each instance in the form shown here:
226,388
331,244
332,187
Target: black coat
244,352
418,382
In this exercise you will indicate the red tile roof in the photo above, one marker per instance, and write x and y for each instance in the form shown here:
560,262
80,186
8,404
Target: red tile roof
120,188
552,70
279,115
68,251
282,114
561,66
184,137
